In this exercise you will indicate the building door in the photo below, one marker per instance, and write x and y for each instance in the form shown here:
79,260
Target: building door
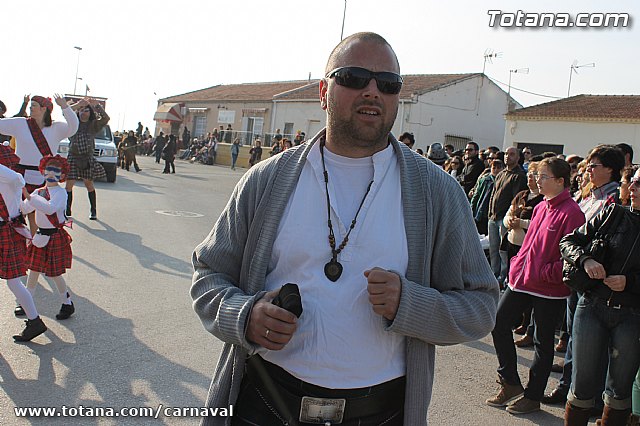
253,127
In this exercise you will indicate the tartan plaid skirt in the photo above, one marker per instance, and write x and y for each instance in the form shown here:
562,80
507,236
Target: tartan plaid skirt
13,251
54,258
95,170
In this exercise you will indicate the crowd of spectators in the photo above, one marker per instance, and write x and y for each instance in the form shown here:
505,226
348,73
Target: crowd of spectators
542,213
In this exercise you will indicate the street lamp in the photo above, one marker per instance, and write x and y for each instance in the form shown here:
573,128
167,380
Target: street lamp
75,82
574,68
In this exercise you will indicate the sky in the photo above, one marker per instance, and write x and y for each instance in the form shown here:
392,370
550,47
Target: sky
136,52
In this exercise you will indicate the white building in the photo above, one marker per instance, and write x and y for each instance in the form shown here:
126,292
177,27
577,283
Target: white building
448,108
575,125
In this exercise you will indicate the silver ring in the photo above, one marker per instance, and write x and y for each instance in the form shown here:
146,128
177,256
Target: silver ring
266,333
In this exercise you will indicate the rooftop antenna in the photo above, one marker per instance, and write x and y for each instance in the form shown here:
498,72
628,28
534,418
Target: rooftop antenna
344,14
516,71
489,54
574,68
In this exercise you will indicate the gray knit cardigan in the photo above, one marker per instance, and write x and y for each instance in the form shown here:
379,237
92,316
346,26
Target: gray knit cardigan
449,294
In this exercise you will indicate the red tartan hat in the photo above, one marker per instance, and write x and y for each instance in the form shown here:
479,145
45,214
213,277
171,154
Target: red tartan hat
8,158
64,164
43,102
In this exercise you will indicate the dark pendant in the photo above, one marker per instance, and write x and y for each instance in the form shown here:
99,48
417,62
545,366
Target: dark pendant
333,270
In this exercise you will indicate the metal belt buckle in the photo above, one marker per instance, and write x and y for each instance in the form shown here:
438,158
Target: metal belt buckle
322,410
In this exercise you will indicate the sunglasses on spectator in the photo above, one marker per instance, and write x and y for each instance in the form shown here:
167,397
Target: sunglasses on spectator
455,163
358,78
593,165
468,149
634,182
526,152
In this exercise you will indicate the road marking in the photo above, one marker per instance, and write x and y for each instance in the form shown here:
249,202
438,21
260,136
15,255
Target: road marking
179,213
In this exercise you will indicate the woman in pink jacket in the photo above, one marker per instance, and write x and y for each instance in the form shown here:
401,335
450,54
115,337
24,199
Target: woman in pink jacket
535,281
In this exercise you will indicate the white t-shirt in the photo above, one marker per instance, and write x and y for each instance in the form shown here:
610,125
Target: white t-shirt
11,184
340,342
26,147
57,203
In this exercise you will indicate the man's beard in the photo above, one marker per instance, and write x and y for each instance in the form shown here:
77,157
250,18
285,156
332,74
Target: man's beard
358,135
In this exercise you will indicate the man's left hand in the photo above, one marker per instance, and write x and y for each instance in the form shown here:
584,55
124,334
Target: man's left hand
384,289
616,282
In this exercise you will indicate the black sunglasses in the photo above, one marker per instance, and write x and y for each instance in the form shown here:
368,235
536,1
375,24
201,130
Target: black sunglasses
358,78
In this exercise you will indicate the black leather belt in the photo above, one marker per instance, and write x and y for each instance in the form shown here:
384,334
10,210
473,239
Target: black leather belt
360,403
612,300
47,231
25,167
18,219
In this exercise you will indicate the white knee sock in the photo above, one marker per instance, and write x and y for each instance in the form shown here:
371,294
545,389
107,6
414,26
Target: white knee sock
62,290
24,297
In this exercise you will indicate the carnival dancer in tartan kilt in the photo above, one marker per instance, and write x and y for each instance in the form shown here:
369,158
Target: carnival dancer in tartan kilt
38,135
82,164
13,233
50,250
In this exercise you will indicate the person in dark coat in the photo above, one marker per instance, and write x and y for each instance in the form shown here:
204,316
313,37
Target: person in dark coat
169,155
161,141
473,167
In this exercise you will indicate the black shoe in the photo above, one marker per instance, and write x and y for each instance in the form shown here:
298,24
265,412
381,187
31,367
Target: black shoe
93,215
557,367
35,327
557,396
18,311
65,311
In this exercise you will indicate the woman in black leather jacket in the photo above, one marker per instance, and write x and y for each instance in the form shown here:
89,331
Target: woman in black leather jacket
608,313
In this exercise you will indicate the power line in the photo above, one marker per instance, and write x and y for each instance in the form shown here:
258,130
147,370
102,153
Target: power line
525,91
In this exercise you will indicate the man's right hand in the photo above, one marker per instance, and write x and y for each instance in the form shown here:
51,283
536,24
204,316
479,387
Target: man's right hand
270,326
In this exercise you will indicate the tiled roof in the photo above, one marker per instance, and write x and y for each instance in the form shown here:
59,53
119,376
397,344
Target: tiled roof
239,92
413,83
584,107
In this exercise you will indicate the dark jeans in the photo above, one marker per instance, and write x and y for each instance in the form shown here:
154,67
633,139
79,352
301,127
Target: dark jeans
597,326
546,313
168,163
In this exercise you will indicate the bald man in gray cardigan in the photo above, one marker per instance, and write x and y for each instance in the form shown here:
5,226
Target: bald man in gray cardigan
447,296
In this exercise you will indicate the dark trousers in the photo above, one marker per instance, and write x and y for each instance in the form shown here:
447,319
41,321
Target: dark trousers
257,404
546,313
167,164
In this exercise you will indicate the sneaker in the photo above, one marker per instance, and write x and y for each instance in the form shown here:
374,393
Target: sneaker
65,311
34,327
18,311
93,215
523,405
506,394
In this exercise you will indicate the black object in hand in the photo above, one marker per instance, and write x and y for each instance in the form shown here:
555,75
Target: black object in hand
289,298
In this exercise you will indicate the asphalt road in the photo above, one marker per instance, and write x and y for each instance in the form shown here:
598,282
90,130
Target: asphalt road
134,340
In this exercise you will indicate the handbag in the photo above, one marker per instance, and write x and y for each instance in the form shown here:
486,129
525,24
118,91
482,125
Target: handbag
574,276
82,162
